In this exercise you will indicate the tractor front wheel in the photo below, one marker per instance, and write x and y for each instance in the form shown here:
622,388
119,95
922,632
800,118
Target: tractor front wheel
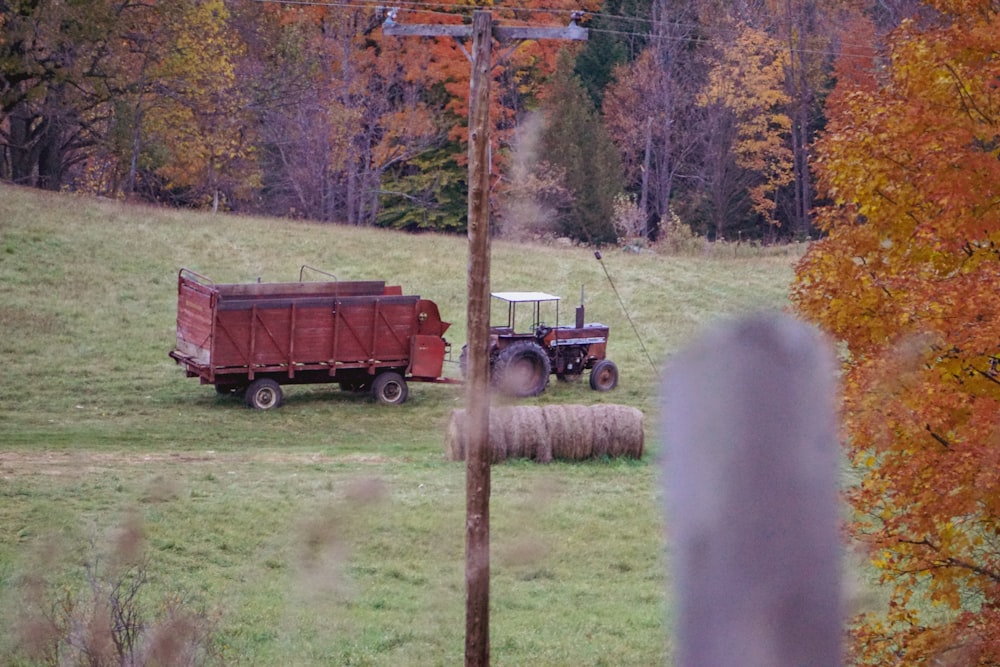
263,394
390,388
522,369
604,375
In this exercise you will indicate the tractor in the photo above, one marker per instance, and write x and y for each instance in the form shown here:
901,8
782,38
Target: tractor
525,350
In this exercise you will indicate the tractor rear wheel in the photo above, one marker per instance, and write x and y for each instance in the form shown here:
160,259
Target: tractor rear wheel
522,369
604,375
390,388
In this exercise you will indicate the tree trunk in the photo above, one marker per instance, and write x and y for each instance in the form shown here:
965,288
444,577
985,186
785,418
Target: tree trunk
647,160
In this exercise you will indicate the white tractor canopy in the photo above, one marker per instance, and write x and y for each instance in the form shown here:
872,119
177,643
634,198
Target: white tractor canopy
519,319
523,297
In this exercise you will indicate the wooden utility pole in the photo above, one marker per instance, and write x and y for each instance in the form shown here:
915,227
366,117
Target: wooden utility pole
477,455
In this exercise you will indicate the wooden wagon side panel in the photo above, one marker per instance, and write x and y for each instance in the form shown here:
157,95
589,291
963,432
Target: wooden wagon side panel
312,334
232,338
375,332
195,314
271,336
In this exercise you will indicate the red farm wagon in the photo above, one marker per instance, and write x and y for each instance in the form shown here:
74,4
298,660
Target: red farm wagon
253,338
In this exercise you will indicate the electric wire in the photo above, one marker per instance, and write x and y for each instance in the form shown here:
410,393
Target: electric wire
597,255
853,50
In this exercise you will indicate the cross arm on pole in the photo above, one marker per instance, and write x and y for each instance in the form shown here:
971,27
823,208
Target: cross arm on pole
573,31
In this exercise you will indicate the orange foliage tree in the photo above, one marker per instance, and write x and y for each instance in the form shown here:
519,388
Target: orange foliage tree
907,277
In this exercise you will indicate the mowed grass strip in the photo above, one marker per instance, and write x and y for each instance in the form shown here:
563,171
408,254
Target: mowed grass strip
330,531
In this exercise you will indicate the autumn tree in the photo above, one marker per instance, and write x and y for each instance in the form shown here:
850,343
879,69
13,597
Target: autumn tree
806,81
201,122
907,277
747,157
649,111
122,164
345,110
54,62
519,80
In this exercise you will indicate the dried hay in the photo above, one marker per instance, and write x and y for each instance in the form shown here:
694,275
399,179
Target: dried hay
553,432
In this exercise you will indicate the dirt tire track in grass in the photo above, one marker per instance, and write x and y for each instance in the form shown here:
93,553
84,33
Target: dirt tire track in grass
79,463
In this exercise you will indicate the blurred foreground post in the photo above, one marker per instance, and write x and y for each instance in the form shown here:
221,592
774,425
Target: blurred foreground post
750,469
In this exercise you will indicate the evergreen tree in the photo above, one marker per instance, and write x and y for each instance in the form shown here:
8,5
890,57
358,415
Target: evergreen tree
576,142
616,38
427,192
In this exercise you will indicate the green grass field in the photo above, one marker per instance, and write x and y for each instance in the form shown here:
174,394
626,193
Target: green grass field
330,531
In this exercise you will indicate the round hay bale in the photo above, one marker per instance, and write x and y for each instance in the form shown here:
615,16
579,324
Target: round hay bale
553,432
454,436
532,434
499,437
508,418
570,431
556,431
617,431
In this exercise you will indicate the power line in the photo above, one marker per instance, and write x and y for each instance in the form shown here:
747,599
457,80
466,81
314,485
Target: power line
854,50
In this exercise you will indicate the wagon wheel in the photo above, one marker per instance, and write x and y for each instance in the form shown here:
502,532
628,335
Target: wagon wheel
263,394
390,388
604,375
522,369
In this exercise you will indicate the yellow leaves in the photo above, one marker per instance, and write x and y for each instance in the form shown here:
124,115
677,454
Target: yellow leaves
748,79
201,119
882,560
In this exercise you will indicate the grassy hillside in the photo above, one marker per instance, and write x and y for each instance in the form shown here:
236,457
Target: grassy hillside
331,530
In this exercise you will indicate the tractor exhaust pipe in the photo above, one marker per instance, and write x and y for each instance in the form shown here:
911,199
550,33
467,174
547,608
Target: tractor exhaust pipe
579,311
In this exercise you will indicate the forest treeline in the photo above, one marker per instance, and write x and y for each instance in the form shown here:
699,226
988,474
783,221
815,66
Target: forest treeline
696,113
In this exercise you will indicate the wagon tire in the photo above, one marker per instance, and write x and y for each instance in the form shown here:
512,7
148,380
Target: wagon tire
390,388
604,375
263,394
522,369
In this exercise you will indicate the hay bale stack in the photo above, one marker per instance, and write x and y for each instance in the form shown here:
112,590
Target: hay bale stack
553,432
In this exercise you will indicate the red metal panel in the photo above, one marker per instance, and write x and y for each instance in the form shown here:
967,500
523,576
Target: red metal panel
426,356
429,319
